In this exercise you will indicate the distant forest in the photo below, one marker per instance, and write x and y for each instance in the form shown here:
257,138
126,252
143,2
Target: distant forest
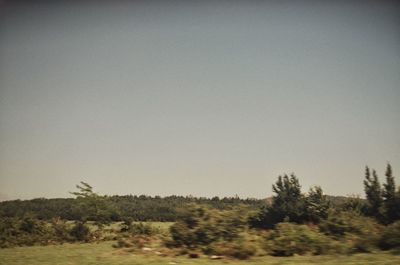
137,208
382,202
118,208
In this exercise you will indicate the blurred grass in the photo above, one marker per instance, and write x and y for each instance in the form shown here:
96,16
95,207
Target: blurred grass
103,254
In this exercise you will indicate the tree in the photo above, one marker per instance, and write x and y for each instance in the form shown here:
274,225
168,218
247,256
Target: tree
390,197
92,206
85,191
288,203
317,205
373,192
80,232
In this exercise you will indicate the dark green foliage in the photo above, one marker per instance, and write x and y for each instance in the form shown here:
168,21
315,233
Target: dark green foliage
383,203
80,232
391,198
142,229
230,223
339,223
289,204
373,192
196,228
43,209
240,248
126,224
260,219
200,226
93,206
391,237
30,225
357,232
213,232
317,205
288,239
61,230
118,208
30,231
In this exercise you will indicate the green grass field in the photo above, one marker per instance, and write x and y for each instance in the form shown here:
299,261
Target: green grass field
103,254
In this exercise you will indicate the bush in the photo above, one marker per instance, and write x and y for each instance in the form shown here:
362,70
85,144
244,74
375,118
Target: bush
340,223
390,238
143,229
80,232
200,226
126,224
137,242
239,248
60,230
24,232
358,233
196,228
288,239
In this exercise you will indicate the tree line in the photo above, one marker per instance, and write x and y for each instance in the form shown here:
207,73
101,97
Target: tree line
90,206
289,203
291,222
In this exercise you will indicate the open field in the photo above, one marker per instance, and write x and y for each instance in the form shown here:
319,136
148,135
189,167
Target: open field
104,254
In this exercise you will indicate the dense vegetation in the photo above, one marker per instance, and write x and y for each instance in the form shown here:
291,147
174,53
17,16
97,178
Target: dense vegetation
291,222
117,208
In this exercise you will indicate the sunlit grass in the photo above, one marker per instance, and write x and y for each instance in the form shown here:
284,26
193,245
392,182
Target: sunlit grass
104,254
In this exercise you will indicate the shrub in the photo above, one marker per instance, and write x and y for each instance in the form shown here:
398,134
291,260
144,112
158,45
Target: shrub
358,233
197,227
288,239
391,237
230,224
143,229
61,230
200,226
290,205
80,232
239,248
133,242
340,223
24,232
126,224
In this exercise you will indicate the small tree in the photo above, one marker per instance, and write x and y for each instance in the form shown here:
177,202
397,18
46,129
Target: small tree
317,205
92,206
288,204
390,197
196,227
201,226
373,192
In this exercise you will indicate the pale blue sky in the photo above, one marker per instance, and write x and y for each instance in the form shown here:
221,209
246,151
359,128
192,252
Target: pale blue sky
196,97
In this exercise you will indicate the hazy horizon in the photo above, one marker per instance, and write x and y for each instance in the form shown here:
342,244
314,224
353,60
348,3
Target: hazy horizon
210,98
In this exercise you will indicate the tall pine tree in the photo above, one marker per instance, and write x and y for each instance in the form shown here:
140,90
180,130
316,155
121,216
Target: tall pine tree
390,198
373,192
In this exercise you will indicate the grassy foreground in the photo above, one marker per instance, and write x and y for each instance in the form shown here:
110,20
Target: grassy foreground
103,253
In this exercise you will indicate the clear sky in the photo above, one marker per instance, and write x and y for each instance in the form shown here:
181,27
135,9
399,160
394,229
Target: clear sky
197,97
